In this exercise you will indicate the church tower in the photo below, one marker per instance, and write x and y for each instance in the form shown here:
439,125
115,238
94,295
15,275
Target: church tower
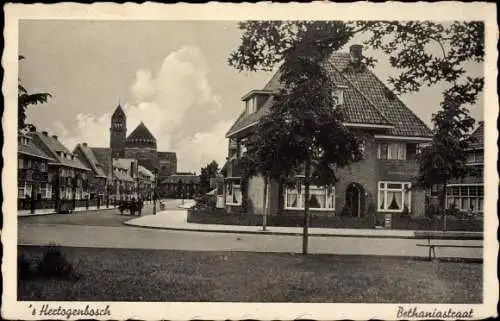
118,131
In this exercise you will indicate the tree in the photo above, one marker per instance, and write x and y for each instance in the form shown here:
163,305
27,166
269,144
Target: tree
206,173
445,159
304,127
25,99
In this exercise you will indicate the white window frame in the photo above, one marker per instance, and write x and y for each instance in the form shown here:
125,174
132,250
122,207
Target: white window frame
330,198
251,105
401,150
229,197
21,191
385,189
48,193
449,194
338,95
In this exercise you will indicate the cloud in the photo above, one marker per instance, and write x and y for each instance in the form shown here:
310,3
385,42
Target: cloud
162,100
200,149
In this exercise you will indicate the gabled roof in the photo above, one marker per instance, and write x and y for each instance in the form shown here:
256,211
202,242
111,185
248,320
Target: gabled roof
29,148
144,171
53,147
91,160
478,136
122,176
103,157
141,132
366,101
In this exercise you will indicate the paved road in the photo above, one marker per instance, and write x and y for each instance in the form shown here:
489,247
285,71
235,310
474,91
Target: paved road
105,228
104,217
141,238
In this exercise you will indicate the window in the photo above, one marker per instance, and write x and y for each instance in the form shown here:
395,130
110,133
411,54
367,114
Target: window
48,191
391,151
251,105
319,198
20,191
476,156
43,166
465,197
338,96
20,163
394,196
233,194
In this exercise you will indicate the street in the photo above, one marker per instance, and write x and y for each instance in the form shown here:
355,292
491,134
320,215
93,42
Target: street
106,229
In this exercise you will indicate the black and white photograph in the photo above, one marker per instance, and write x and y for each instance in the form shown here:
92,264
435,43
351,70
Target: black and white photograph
262,161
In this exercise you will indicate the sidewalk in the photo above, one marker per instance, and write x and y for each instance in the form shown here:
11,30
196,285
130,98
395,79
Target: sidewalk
177,220
49,211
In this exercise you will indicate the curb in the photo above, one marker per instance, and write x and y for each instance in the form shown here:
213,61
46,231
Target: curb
72,213
267,232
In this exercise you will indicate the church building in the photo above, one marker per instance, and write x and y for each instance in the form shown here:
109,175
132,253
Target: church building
140,145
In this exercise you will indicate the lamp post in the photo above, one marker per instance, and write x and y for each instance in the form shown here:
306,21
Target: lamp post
155,190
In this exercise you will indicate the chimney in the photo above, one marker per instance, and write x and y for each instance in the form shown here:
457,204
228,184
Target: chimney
54,136
356,52
45,133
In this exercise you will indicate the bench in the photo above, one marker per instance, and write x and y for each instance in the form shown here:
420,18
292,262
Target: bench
439,235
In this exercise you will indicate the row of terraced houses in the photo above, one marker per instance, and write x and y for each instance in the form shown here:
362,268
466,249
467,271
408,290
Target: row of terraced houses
380,183
53,178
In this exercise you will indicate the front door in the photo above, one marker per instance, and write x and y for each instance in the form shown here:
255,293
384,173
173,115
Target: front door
353,200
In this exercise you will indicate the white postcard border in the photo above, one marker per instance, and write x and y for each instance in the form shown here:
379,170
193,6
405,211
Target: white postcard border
12,308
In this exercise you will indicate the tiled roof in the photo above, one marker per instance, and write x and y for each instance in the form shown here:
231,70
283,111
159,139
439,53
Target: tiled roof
29,148
141,132
92,160
366,101
103,157
143,170
478,136
54,148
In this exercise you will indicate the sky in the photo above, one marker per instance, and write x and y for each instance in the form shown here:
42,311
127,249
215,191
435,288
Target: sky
172,75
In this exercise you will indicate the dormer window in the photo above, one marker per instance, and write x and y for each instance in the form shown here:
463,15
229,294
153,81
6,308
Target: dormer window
251,105
254,100
338,95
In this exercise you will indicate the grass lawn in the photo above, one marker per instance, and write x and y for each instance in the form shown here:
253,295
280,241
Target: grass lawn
168,275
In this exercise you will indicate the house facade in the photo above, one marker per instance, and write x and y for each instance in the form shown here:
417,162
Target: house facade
34,186
180,185
67,175
380,184
97,176
146,183
467,194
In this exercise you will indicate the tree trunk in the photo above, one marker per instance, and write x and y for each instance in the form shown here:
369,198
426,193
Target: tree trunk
266,205
305,237
444,206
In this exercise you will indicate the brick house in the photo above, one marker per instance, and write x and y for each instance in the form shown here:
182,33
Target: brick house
180,185
146,183
67,175
378,184
468,194
34,189
97,177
